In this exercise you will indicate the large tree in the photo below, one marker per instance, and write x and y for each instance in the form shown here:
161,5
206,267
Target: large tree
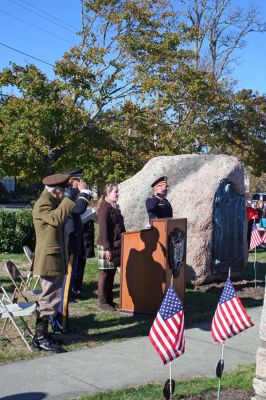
135,70
220,32
41,125
125,52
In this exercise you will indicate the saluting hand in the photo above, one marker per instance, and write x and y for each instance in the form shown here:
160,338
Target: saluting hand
82,185
108,255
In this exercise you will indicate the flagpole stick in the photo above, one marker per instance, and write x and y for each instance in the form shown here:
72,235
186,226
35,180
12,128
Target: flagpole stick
219,382
170,373
255,272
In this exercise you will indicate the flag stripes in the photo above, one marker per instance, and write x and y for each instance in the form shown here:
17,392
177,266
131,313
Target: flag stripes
167,331
255,239
167,345
230,317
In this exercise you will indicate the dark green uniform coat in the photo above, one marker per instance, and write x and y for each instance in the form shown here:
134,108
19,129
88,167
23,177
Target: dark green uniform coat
49,219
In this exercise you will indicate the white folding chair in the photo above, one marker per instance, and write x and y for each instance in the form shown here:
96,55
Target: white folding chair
22,290
28,253
11,311
32,280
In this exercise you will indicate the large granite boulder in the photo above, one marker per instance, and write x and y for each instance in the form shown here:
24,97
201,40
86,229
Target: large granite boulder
194,180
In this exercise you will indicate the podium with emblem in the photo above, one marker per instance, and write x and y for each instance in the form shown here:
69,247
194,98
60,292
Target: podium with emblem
149,259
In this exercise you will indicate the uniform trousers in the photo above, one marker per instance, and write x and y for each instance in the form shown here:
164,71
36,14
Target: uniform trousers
59,321
51,295
78,277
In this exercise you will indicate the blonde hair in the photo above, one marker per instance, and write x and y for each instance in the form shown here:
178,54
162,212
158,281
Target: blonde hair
107,189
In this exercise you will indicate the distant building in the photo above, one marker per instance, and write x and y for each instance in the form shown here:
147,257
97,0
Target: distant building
9,182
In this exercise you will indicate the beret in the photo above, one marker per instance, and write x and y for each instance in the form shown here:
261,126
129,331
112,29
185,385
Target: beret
75,173
56,180
161,180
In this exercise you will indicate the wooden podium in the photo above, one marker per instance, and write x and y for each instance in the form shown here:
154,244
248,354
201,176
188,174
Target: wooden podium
145,270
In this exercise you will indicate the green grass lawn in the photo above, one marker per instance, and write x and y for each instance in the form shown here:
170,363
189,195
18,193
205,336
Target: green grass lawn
94,326
239,378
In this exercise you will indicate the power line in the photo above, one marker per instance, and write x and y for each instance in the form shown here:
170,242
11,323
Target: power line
42,16
34,26
49,15
26,54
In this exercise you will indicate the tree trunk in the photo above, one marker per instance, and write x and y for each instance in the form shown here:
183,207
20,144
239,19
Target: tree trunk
259,382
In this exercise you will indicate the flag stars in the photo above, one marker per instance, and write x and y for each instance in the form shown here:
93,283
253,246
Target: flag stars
171,304
228,292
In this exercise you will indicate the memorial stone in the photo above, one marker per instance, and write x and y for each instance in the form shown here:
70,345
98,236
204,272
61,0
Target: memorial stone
202,187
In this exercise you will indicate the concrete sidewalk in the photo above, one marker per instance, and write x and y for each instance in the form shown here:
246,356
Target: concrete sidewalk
126,363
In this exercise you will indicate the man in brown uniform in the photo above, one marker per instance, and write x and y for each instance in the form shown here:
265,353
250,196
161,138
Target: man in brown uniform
49,215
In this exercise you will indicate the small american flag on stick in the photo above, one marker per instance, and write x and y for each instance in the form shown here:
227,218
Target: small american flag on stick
167,331
255,239
230,317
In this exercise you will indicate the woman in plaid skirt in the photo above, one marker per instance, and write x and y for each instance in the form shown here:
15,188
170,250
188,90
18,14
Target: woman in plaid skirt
111,227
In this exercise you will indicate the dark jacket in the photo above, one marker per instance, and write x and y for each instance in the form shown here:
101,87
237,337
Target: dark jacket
111,226
158,207
88,240
73,228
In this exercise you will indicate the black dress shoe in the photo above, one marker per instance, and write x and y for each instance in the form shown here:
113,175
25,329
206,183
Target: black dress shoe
45,343
114,305
76,294
60,331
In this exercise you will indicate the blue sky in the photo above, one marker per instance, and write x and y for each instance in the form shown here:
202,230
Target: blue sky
51,44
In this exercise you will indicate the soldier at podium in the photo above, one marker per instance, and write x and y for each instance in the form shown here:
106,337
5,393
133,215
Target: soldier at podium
158,206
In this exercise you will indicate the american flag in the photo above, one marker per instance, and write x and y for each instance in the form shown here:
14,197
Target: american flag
255,239
230,317
167,331
263,239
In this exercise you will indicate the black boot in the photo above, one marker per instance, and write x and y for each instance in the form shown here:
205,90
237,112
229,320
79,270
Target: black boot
41,339
109,288
103,291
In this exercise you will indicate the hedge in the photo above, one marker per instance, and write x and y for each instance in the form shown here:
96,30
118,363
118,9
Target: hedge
16,231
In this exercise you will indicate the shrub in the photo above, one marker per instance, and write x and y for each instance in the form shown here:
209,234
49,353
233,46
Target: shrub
16,231
4,195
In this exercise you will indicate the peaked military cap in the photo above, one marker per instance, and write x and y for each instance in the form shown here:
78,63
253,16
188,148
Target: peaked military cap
160,181
56,180
75,173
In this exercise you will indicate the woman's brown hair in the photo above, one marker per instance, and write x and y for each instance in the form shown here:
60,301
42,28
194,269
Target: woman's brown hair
107,189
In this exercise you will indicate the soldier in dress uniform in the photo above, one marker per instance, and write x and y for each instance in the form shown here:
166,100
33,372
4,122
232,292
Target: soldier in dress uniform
158,206
73,232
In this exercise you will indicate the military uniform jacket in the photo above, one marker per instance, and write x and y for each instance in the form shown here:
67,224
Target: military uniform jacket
158,207
48,220
73,228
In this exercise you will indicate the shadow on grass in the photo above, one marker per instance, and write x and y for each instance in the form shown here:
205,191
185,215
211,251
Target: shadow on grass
199,306
90,290
92,328
249,272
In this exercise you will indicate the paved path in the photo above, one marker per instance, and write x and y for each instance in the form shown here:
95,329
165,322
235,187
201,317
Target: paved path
126,363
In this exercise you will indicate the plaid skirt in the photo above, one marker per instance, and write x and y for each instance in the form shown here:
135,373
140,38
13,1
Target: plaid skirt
115,258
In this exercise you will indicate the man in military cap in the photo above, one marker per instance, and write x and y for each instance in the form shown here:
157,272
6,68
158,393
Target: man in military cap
158,206
74,247
50,212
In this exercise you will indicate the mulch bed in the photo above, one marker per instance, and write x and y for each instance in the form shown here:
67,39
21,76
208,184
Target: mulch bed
244,289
